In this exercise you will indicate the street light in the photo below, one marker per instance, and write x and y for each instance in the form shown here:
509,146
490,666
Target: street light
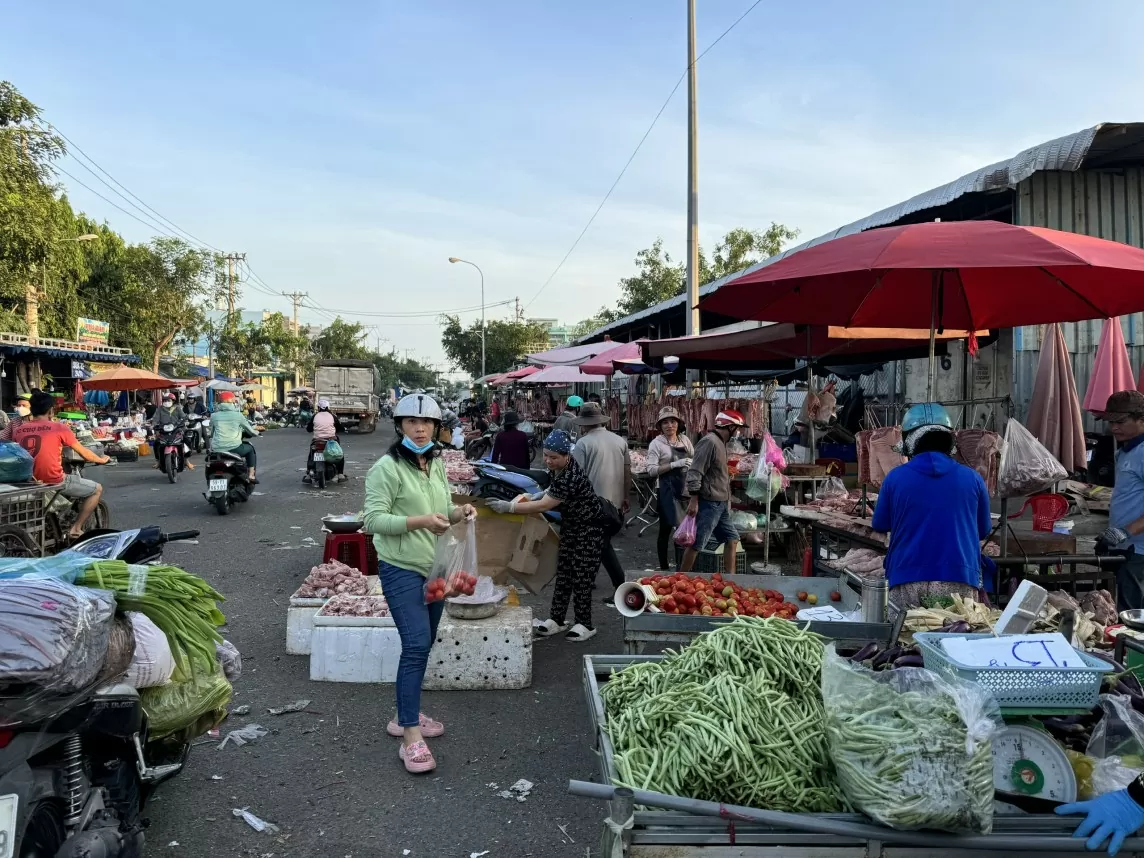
456,259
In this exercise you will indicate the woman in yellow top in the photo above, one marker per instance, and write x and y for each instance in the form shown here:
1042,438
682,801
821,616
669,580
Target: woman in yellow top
407,506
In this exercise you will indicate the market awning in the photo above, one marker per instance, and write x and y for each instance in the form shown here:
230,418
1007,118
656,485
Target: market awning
785,344
563,375
571,355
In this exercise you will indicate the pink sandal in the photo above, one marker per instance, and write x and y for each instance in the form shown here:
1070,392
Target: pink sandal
417,758
430,729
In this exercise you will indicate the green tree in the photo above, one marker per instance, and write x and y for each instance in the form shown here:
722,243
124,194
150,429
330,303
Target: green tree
341,340
657,279
505,343
743,247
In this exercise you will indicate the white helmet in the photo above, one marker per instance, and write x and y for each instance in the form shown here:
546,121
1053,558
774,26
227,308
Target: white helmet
417,405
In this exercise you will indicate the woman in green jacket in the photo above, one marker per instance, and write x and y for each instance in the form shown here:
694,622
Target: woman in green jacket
407,506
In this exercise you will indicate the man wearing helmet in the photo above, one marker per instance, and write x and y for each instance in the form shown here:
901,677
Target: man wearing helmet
566,422
709,485
936,512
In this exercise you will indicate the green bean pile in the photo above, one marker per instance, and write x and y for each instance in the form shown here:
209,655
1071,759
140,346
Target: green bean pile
735,717
902,750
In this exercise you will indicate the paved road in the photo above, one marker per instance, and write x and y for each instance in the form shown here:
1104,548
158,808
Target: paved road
332,781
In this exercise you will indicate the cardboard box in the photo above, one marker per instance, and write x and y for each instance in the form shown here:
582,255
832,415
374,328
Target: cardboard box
522,547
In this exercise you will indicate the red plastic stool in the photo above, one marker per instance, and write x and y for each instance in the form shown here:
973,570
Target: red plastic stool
353,549
1047,510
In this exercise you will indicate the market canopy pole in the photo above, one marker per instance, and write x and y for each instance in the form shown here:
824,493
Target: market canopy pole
692,180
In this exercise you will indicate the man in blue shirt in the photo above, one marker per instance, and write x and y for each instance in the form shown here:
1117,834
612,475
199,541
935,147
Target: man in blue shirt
1125,534
936,512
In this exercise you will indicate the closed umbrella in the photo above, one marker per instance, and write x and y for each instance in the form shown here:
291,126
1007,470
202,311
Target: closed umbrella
1054,410
1111,371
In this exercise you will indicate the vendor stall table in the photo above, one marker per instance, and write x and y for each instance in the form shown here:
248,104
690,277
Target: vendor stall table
673,834
660,628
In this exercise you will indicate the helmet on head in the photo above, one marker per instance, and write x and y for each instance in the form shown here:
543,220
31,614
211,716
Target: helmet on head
417,405
323,404
168,396
925,414
730,417
226,396
575,401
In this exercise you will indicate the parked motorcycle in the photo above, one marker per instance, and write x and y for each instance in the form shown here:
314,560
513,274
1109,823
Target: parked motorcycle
172,455
76,771
507,483
320,469
228,481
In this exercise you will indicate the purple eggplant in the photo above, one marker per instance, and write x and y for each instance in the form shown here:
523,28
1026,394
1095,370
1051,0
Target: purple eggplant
909,661
868,651
887,657
955,627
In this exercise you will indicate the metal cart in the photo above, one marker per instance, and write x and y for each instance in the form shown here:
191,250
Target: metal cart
673,834
22,519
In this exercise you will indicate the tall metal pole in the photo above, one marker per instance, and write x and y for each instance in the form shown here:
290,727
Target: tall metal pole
692,180
484,328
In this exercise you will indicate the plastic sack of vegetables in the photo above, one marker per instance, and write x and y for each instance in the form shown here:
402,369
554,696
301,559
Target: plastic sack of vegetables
1117,745
15,463
65,566
1027,467
177,705
685,533
911,749
334,450
742,520
454,571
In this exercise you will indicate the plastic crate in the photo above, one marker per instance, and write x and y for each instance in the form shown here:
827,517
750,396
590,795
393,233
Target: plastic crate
1025,690
24,509
842,452
712,561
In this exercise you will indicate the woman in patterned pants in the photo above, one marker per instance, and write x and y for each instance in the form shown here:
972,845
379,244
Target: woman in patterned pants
581,537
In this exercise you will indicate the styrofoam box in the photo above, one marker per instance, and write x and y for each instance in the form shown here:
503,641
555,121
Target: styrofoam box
493,653
300,624
354,649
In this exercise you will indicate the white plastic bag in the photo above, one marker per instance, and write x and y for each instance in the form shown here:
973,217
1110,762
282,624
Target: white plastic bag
1026,466
153,663
1116,746
911,749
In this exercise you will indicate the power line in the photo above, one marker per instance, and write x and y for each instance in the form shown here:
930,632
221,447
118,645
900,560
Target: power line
413,314
145,223
163,219
635,152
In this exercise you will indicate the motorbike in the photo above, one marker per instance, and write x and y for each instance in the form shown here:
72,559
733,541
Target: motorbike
169,439
507,483
195,432
77,771
480,446
321,469
228,481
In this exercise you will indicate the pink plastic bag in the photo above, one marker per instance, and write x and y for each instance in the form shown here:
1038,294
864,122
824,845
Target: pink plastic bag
685,533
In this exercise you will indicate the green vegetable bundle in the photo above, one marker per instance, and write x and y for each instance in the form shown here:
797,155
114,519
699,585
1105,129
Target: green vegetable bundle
736,717
181,604
911,748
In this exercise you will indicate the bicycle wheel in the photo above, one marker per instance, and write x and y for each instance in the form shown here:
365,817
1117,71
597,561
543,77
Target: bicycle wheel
17,542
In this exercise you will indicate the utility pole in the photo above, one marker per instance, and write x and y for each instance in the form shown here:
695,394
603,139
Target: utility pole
692,180
296,297
518,313
232,259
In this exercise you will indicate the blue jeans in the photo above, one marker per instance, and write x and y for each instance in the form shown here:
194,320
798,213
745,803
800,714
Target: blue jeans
417,626
714,521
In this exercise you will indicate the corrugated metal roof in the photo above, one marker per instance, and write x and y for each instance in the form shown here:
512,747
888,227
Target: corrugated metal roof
1065,153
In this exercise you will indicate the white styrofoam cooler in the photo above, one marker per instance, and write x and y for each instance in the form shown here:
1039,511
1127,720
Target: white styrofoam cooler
493,653
300,624
354,649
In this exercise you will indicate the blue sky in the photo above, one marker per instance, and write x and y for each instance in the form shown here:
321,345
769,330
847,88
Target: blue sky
349,148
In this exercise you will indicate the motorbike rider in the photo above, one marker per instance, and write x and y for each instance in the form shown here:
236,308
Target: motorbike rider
325,426
45,440
167,414
229,427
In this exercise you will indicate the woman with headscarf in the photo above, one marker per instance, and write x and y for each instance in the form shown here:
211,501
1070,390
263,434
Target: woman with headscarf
581,537
669,457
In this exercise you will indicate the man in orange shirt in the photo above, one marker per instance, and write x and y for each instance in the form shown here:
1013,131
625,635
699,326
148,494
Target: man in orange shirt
45,440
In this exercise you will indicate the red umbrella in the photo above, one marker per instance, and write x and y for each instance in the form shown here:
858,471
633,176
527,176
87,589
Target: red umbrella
602,364
967,275
1111,371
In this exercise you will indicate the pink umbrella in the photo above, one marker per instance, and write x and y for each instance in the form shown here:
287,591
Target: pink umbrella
1054,410
602,364
1111,371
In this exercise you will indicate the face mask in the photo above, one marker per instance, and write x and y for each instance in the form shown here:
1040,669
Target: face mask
23,410
420,451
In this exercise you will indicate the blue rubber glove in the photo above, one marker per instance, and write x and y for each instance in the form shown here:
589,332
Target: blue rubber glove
1112,817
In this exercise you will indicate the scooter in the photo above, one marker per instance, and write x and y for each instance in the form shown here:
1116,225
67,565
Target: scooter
228,481
172,458
194,433
76,771
321,469
507,483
